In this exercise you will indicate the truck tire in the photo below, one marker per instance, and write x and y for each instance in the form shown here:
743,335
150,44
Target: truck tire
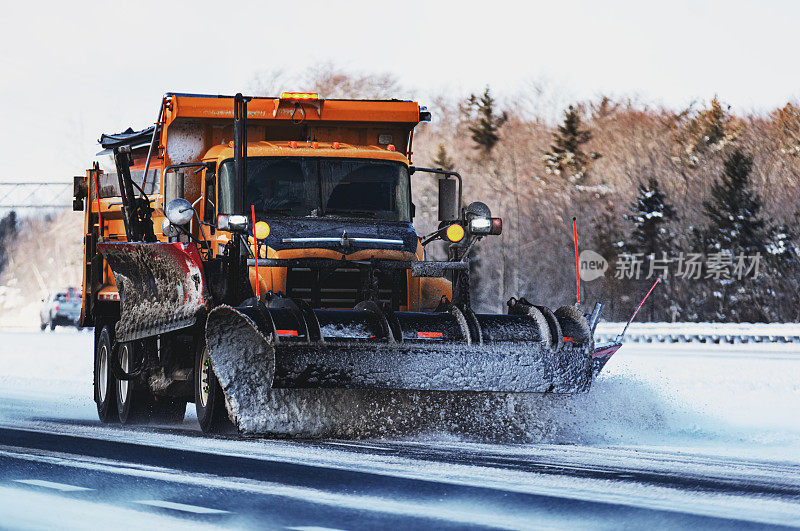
52,325
134,400
209,400
43,325
168,411
105,390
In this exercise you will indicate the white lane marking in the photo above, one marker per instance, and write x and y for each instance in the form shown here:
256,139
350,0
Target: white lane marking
63,487
25,508
357,445
433,509
181,507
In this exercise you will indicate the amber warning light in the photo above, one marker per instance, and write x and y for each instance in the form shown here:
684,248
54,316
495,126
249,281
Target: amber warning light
299,96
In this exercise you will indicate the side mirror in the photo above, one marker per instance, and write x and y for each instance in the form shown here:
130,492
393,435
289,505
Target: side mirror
173,186
448,200
413,211
179,211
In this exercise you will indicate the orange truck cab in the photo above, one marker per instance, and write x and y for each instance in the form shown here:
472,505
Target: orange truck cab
329,179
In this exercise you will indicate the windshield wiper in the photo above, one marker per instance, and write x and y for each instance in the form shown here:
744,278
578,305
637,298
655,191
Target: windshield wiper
353,213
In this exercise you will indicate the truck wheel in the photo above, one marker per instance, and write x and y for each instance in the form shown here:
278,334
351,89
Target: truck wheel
43,325
134,400
105,391
209,400
52,325
168,411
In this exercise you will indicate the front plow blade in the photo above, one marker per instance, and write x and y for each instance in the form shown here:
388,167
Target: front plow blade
277,370
161,286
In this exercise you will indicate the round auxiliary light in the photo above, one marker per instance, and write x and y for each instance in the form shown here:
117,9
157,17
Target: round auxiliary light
262,230
455,233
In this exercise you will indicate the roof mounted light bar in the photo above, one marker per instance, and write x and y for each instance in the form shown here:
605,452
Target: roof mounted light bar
299,96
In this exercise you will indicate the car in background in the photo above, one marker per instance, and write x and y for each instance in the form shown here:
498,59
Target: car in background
61,308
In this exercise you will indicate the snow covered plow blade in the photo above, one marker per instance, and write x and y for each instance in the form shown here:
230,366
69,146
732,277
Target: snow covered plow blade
161,286
263,354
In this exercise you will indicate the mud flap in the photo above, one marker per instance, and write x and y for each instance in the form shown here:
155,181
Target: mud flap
161,286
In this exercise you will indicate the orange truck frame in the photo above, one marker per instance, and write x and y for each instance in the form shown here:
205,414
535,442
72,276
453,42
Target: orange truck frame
243,242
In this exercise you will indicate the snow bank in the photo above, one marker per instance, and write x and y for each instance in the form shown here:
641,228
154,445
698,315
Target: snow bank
46,375
739,398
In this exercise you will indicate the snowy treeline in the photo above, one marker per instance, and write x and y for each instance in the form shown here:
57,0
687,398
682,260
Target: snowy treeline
702,197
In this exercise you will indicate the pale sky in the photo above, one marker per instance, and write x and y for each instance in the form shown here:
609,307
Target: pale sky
71,70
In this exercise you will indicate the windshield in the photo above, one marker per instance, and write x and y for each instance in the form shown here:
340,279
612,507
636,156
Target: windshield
309,186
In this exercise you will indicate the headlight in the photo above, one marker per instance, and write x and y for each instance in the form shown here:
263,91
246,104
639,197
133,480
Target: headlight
482,226
233,223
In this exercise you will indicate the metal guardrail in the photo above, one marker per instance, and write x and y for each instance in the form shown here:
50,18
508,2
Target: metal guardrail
731,339
709,333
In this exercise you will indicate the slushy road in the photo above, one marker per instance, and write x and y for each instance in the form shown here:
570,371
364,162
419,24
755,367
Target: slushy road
60,467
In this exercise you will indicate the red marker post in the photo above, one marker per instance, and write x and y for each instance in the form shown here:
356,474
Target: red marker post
577,262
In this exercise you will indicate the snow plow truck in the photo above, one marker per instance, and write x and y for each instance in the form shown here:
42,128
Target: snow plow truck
252,254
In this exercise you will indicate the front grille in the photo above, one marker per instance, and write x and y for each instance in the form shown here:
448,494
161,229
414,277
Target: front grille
344,287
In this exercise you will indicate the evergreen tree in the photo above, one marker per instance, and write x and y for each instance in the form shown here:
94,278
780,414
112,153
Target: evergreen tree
786,127
708,130
442,160
736,228
784,270
651,215
8,231
484,121
652,238
733,210
566,156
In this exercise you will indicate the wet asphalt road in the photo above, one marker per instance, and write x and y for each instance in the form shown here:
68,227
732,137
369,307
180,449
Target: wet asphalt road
251,492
